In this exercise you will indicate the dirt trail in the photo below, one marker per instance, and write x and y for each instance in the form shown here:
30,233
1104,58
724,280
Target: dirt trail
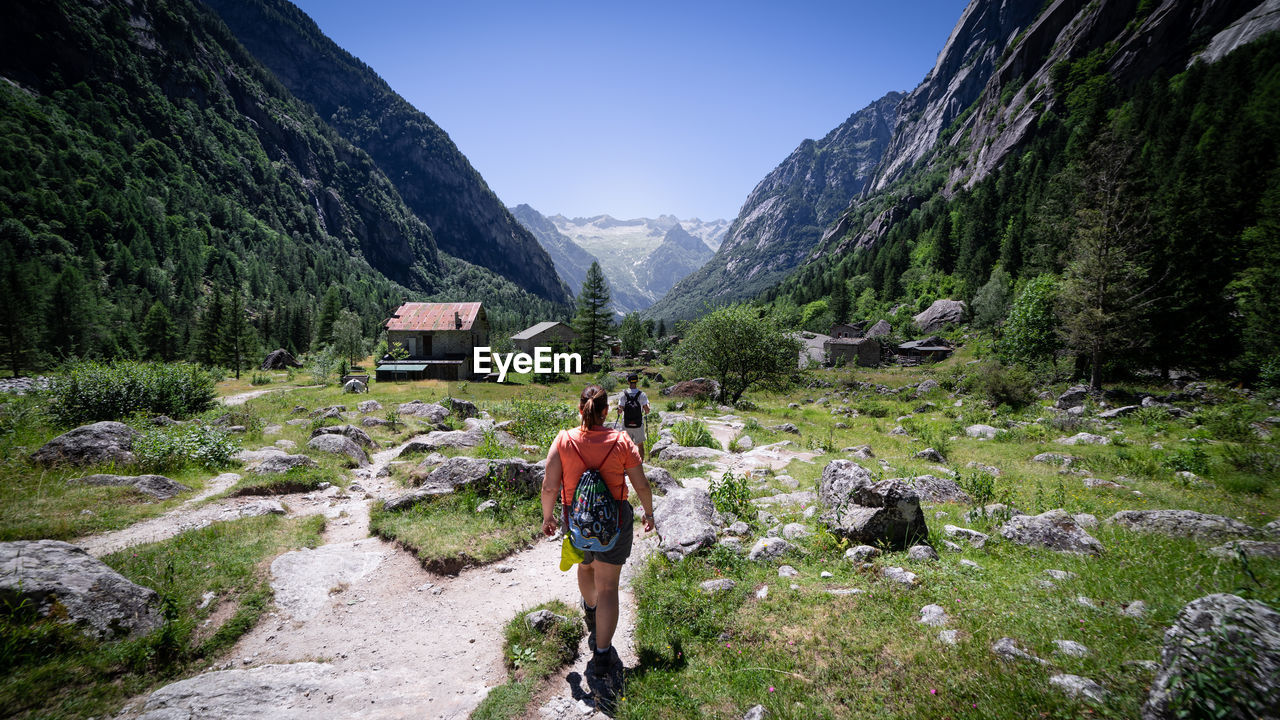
245,397
362,630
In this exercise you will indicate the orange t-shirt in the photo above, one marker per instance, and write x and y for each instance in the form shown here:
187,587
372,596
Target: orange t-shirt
576,446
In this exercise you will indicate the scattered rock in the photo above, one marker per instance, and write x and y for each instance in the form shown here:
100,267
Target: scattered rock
898,430
683,521
1055,530
922,553
861,553
1060,574
660,480
870,512
1007,649
64,581
1250,548
157,486
1182,523
862,452
463,408
932,489
1079,687
1119,412
973,537
368,406
970,564
279,462
487,505
739,528
994,510
350,431
1071,648
458,472
371,421
931,455
786,428
258,508
332,411
949,637
543,620
757,712
1100,483
1135,609
339,445
1049,458
100,442
787,571
1073,397
744,443
1083,438
941,314
1085,520
793,531
898,575
430,412
929,385
1232,641
985,432
718,586
933,615
768,547
705,387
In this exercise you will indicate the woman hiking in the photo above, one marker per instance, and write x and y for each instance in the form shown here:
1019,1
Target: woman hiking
591,446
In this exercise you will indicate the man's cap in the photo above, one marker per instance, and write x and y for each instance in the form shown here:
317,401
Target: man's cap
633,378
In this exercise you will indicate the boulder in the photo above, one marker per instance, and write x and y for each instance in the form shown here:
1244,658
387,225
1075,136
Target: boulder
324,413
463,408
973,537
100,442
428,411
339,445
370,421
1071,648
459,472
368,406
279,463
1073,397
717,586
986,432
931,455
1229,643
660,480
795,531
1183,523
861,553
898,575
1250,549
279,360
543,620
744,443
696,387
1119,412
933,615
684,522
157,486
1084,438
786,428
927,386
880,329
61,580
933,489
350,431
472,435
1055,530
1007,648
921,553
680,452
941,314
886,512
1081,688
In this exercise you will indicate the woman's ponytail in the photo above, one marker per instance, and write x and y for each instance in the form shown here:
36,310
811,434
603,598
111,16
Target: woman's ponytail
593,406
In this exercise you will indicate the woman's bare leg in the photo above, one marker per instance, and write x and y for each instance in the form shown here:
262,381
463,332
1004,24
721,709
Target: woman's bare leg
606,596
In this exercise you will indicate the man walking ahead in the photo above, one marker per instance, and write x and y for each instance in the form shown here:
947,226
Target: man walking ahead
633,408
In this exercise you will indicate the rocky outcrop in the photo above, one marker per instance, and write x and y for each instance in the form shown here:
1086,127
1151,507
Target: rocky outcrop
458,472
340,445
933,489
430,412
272,460
941,314
1259,21
660,480
472,435
64,581
1230,643
570,259
1183,523
435,180
1055,530
873,513
349,431
683,520
679,254
96,443
157,486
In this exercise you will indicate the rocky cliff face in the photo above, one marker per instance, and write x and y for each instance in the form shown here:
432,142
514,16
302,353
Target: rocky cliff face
434,178
570,260
784,216
679,254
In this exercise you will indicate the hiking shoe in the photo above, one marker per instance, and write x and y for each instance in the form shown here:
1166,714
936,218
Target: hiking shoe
589,617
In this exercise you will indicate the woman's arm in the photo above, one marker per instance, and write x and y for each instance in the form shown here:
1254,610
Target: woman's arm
551,482
643,491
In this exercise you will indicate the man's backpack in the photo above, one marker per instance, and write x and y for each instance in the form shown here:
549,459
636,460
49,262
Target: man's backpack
632,413
593,515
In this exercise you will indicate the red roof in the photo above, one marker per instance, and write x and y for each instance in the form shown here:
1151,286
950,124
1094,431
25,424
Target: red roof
434,316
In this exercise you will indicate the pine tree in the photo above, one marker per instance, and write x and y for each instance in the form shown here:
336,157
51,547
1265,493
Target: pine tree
594,316
330,308
158,334
208,341
237,335
16,330
840,302
662,328
67,315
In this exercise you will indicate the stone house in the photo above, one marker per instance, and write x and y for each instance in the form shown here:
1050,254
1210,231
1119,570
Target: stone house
848,330
544,334
439,338
852,351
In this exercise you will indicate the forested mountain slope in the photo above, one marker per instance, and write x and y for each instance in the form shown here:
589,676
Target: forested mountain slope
147,160
434,178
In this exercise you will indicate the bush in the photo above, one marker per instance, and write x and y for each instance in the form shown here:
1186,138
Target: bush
260,379
88,392
537,421
694,433
740,349
1191,459
730,494
1031,332
175,447
1000,385
1227,422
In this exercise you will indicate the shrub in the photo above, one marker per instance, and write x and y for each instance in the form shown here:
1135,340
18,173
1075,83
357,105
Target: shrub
1001,385
694,433
730,494
88,391
260,379
1227,422
1191,459
537,421
176,447
1030,334
981,486
740,349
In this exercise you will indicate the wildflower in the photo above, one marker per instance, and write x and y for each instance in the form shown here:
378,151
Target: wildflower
933,691
770,688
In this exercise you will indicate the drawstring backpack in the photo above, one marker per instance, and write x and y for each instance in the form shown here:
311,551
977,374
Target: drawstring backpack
594,524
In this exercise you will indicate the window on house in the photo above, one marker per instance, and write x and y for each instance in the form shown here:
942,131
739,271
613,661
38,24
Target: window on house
426,346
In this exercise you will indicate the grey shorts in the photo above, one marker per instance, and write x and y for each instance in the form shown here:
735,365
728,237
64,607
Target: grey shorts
621,549
637,436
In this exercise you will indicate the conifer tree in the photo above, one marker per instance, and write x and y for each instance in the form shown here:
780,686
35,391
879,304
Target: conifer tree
330,308
68,314
208,341
16,331
594,316
236,333
158,334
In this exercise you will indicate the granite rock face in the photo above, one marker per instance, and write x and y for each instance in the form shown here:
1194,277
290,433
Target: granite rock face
1055,530
100,442
684,522
941,314
1183,523
61,579
886,512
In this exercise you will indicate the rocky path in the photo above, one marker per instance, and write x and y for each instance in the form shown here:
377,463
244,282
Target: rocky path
361,630
244,397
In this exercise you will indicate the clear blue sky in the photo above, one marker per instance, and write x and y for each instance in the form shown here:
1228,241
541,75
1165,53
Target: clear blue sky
641,108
